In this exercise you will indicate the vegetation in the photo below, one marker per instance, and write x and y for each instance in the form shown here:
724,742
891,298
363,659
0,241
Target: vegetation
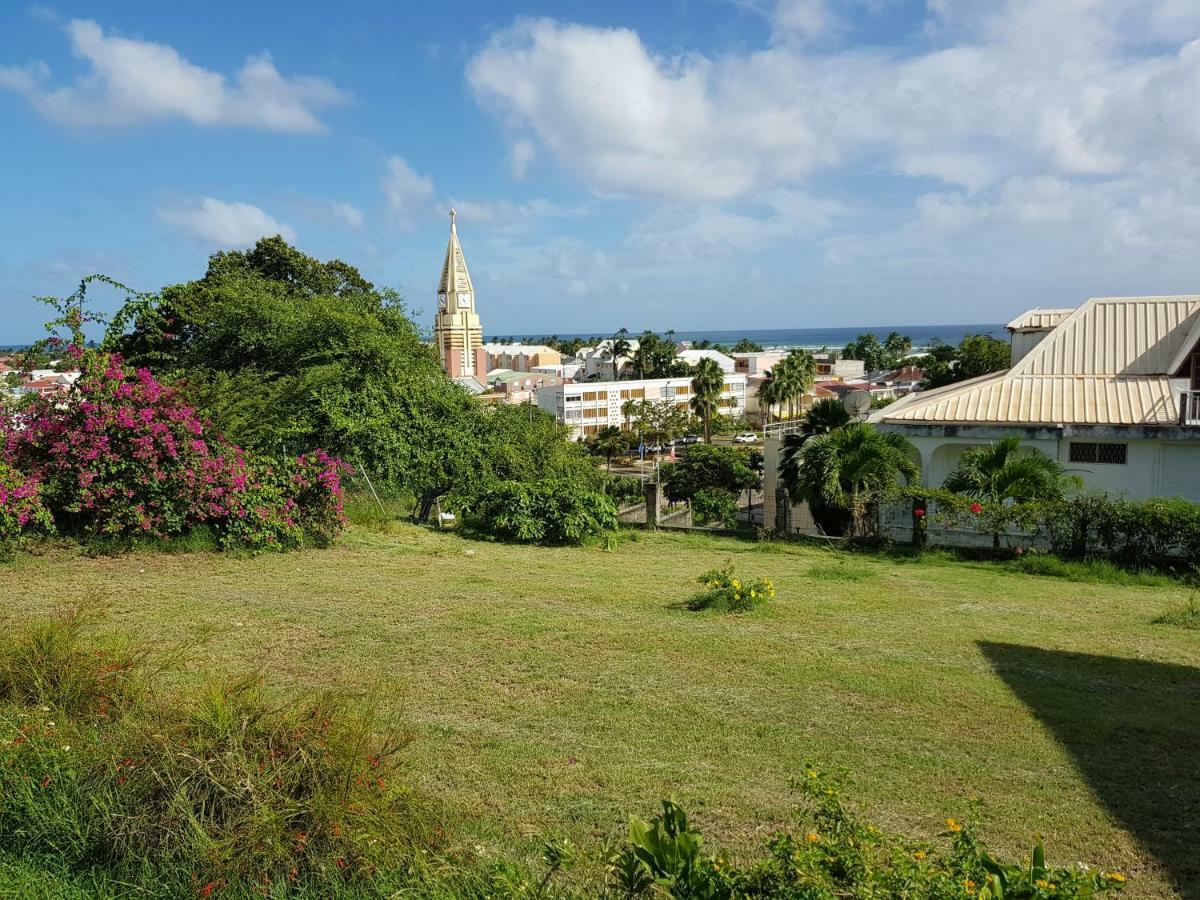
826,415
193,793
788,381
847,472
619,349
975,355
1002,472
550,511
482,644
707,384
725,592
657,357
608,442
284,352
875,355
710,478
1182,615
128,458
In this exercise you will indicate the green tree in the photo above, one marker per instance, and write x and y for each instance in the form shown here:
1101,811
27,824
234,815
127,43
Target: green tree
710,477
976,355
707,385
826,415
608,442
791,378
286,353
656,357
1003,472
745,345
847,470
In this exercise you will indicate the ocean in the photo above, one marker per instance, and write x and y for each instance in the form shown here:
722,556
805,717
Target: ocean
812,338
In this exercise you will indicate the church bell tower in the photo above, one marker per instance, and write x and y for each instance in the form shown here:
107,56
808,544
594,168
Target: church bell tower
457,332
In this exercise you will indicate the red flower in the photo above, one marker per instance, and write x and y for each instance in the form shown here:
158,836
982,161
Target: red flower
1020,551
207,890
919,512
976,508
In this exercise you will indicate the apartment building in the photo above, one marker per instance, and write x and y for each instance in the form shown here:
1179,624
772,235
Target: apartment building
586,408
521,357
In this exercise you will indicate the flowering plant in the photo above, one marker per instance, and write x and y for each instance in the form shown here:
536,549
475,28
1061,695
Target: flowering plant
725,591
126,456
21,508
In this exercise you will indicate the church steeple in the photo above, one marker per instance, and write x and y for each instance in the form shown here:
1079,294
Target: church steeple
455,277
457,332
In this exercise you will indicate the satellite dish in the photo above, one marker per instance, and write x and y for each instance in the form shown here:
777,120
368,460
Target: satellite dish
857,403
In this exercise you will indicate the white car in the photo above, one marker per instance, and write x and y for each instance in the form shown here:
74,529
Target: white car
745,437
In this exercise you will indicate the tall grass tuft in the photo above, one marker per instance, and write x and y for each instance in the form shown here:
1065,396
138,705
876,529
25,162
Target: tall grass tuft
1182,615
217,788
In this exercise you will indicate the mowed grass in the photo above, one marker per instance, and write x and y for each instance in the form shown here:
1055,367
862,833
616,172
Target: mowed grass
557,690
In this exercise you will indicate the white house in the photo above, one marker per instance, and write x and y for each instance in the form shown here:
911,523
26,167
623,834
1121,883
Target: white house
1111,389
691,357
586,408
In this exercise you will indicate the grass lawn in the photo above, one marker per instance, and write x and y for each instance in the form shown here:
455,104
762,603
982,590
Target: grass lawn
557,690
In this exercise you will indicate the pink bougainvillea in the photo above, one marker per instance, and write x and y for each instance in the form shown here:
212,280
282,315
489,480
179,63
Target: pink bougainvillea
127,456
21,508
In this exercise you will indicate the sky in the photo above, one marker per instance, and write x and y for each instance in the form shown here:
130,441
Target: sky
687,164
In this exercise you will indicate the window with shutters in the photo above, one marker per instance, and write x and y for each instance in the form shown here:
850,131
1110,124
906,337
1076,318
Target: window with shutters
1099,454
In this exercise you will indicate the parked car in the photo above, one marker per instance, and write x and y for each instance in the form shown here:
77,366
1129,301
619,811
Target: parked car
687,440
745,437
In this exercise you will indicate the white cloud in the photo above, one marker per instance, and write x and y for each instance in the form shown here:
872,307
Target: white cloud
505,215
806,19
1029,88
520,157
408,193
132,81
349,215
222,224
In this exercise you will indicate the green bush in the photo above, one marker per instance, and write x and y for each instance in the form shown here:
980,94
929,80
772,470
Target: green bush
624,490
712,506
552,511
1134,533
724,592
216,788
1182,615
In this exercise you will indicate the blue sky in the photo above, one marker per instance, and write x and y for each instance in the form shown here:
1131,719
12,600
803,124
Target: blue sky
695,164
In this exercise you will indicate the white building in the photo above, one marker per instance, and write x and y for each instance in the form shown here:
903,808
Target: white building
597,361
1111,390
691,357
586,408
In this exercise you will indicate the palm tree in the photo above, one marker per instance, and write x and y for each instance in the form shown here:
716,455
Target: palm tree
1002,471
619,348
846,470
801,372
706,391
826,416
768,395
629,410
608,442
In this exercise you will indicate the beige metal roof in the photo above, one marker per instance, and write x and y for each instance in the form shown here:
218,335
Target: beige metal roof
1039,319
1115,336
1054,399
1107,363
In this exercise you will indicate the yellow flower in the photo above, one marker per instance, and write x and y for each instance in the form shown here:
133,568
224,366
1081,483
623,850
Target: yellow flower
1041,883
1115,876
812,837
812,773
920,854
953,825
968,884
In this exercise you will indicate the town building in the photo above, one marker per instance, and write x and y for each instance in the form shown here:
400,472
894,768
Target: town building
692,357
1110,389
586,408
457,332
521,357
598,363
519,387
757,363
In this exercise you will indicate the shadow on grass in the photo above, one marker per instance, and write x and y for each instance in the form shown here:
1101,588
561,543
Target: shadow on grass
1133,728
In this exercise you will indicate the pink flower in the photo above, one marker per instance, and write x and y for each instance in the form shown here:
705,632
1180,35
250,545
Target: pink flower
976,508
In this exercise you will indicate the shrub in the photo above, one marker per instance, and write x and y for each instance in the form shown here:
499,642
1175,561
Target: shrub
624,490
552,511
21,509
724,592
1182,615
836,854
713,506
126,457
217,789
1134,533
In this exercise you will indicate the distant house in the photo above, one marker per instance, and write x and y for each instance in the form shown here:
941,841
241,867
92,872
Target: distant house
691,357
1111,389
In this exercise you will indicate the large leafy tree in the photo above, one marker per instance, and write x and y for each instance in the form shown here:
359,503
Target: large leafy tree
707,383
285,352
710,478
608,442
975,355
847,470
1003,471
876,355
656,357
